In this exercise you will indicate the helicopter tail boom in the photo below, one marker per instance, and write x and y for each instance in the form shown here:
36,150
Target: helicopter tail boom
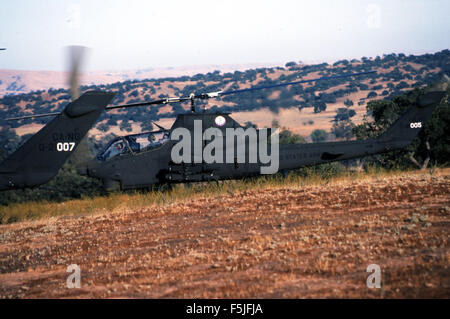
398,136
40,157
407,126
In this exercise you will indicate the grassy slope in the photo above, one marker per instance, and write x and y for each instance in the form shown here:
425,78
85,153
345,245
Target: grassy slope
299,238
179,193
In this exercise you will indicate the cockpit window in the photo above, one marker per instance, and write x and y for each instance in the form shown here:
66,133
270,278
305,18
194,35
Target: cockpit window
137,143
116,148
147,141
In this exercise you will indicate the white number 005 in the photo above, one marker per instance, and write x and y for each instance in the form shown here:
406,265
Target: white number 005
65,147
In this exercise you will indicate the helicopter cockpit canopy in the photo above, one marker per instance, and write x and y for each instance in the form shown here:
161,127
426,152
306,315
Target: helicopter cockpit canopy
115,148
134,144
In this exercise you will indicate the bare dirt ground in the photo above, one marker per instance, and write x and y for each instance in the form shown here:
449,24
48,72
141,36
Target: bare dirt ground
312,241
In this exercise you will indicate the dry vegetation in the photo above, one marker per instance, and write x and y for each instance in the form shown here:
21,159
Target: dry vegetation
277,238
179,192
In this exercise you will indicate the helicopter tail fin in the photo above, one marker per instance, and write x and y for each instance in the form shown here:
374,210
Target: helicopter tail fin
406,128
41,156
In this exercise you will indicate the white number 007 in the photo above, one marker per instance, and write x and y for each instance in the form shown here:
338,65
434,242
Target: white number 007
65,147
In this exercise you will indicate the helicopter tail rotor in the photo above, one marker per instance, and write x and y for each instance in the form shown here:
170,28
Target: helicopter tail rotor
75,60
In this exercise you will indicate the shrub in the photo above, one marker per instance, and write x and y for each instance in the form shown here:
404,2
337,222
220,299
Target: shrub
319,135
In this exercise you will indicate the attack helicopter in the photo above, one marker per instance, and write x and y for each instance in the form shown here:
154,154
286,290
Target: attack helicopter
147,159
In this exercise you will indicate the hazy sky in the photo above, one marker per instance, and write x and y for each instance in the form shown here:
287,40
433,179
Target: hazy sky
141,34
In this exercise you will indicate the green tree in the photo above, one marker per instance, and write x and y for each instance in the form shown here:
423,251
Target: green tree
343,129
319,106
9,141
289,64
371,94
250,124
125,125
343,114
275,123
287,137
319,135
348,102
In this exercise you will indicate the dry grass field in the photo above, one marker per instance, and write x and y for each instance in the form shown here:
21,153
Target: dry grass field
292,238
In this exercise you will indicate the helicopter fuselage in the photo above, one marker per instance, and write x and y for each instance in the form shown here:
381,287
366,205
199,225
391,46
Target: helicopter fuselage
155,167
128,164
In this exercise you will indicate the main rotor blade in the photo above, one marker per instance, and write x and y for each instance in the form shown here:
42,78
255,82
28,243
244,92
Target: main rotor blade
161,101
160,127
107,108
133,105
292,83
208,95
31,116
220,93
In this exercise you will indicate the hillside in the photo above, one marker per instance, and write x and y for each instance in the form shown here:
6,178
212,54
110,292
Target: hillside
21,81
296,239
300,108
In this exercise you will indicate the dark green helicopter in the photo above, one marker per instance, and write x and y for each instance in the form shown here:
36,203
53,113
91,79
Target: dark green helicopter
200,145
